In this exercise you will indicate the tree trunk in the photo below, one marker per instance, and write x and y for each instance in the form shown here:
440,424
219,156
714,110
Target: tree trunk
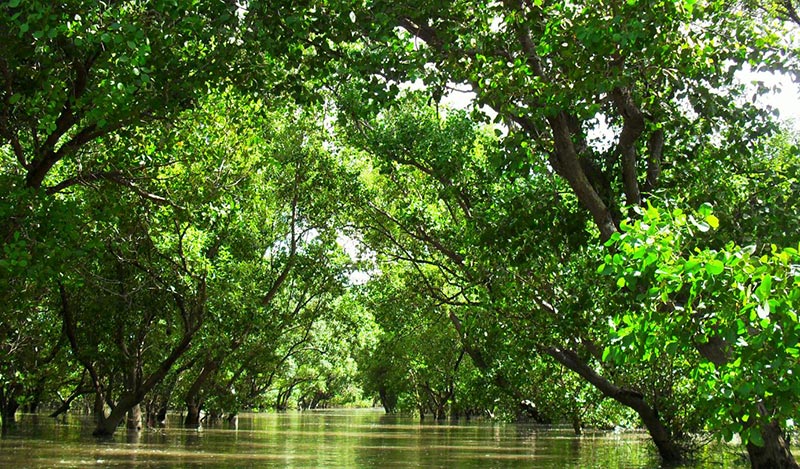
775,453
9,405
388,400
161,416
441,413
577,425
8,416
669,451
193,400
10,412
156,417
192,419
139,387
106,426
99,407
134,420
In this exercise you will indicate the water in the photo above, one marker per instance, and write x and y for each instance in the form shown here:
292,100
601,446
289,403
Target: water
337,438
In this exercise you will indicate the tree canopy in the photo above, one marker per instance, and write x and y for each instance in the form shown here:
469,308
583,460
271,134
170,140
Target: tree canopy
608,235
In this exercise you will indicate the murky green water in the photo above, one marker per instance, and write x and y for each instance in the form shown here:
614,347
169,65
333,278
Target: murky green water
339,438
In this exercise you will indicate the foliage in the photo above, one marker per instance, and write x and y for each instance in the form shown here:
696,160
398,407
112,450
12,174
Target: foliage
179,228
691,296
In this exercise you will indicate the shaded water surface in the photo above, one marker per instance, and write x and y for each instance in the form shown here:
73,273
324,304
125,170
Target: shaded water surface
338,438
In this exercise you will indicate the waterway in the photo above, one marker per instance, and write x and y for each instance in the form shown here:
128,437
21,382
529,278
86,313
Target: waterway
332,438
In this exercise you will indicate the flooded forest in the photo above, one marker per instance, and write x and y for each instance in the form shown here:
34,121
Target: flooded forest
337,233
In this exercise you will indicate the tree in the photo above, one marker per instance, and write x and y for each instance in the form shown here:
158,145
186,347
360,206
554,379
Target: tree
481,248
77,76
553,70
728,300
75,72
419,363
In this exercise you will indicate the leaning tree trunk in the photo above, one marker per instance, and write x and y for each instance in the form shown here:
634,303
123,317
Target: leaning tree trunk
106,426
193,400
668,449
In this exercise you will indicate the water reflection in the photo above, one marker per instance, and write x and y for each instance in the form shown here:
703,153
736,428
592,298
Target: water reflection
349,438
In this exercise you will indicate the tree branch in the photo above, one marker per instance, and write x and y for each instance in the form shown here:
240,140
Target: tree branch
576,177
656,150
632,128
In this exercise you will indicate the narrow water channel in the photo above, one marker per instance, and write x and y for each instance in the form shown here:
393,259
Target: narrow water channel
336,438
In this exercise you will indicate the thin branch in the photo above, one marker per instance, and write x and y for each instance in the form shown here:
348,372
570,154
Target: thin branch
117,177
276,285
791,11
5,131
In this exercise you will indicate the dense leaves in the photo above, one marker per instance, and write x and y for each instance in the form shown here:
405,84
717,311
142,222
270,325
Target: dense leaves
219,206
704,296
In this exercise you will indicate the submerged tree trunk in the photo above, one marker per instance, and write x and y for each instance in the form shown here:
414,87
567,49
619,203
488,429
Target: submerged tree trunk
9,405
141,385
388,400
193,400
577,424
161,415
134,420
8,416
441,412
668,449
106,426
192,419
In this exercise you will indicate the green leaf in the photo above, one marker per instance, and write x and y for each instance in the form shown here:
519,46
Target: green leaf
715,267
764,289
691,265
